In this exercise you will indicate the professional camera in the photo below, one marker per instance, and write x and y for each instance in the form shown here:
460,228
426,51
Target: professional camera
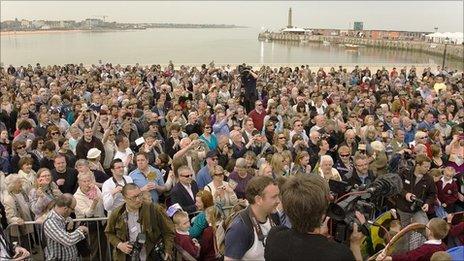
137,246
244,70
364,200
417,204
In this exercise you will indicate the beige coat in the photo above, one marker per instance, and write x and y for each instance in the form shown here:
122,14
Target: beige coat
13,214
84,205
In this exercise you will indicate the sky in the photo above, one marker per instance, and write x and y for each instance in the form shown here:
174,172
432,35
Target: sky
388,15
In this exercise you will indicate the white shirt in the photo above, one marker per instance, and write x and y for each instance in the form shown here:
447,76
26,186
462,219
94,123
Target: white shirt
445,182
111,202
433,242
256,252
123,155
189,190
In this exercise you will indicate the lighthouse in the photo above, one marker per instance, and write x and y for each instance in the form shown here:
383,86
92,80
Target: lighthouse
289,18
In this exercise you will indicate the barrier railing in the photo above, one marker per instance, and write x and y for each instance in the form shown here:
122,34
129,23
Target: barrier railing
98,244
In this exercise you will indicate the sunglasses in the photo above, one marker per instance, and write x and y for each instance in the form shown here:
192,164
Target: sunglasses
186,176
55,133
344,155
21,147
219,174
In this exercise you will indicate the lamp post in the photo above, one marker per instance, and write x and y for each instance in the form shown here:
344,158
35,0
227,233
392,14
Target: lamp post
444,53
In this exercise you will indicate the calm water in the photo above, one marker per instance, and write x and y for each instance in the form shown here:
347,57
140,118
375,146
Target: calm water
184,46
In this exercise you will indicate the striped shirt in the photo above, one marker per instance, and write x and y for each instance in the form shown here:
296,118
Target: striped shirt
61,245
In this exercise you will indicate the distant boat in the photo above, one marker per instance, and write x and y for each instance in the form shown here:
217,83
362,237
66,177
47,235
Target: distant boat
433,46
351,46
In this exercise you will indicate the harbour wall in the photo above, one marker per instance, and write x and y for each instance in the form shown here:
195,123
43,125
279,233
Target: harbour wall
453,51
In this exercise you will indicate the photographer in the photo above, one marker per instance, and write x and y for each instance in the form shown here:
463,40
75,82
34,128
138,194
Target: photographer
418,194
248,79
305,201
138,229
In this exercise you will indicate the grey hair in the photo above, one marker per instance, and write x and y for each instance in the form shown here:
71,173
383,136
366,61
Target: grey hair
11,179
82,162
326,157
240,162
83,175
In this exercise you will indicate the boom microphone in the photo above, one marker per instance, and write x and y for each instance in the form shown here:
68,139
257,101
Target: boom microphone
386,185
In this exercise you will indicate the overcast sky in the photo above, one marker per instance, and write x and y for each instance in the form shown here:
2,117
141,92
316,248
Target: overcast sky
394,15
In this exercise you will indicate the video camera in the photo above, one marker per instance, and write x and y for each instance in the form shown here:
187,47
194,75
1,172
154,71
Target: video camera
137,246
244,70
364,200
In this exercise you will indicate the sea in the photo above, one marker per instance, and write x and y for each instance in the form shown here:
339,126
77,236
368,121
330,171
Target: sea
190,46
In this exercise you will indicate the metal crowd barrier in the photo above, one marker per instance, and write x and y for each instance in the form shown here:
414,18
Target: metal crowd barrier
33,243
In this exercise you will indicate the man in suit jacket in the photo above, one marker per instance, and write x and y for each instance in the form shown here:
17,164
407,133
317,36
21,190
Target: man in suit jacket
185,190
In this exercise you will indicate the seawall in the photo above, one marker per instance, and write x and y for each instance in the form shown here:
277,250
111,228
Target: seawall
452,51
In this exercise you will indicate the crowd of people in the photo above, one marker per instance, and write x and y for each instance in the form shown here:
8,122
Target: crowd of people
217,162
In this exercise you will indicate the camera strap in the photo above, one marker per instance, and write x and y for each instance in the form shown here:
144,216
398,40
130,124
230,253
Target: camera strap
257,227
117,183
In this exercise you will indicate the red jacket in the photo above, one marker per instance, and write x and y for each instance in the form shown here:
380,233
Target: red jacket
258,119
208,250
186,242
447,194
457,231
422,253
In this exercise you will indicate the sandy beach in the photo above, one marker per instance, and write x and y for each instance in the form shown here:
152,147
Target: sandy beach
2,33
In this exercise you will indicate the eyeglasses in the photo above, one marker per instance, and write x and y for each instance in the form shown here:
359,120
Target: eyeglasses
139,196
186,176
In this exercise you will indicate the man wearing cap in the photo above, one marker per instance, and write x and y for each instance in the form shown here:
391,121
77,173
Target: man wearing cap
204,176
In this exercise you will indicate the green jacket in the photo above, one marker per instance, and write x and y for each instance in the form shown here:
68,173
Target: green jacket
155,224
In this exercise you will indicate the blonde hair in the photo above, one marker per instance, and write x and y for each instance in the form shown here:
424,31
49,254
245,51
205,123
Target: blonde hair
178,216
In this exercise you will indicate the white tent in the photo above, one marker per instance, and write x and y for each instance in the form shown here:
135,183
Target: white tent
456,38
294,30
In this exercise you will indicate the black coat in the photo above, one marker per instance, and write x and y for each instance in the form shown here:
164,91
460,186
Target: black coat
180,195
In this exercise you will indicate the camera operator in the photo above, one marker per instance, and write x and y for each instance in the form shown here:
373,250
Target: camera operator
418,194
248,79
305,202
138,229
